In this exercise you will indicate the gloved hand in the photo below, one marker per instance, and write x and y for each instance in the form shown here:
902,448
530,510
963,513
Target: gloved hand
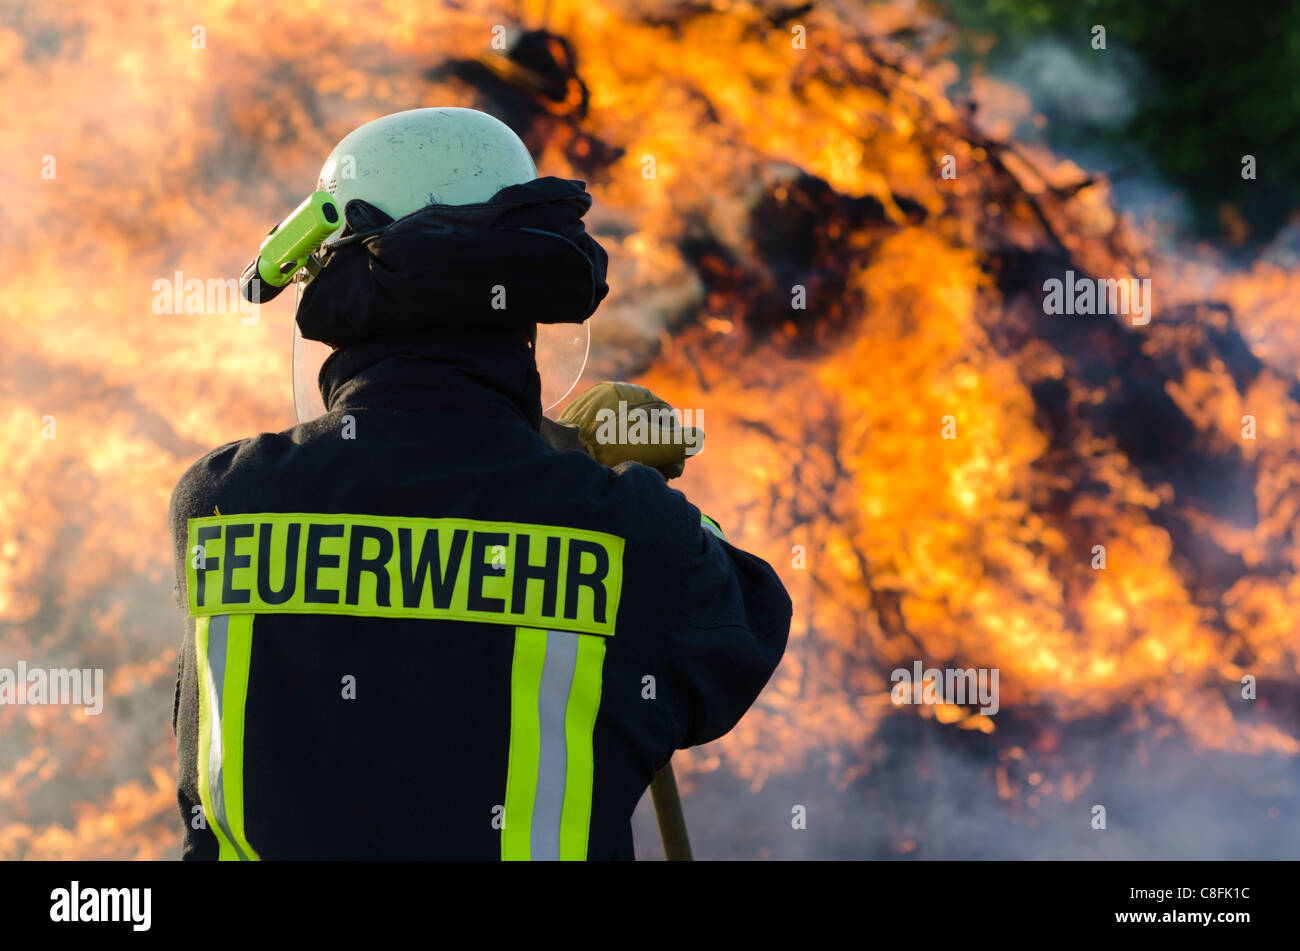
643,429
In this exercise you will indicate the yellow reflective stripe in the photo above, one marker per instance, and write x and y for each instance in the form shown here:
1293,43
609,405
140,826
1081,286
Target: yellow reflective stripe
223,649
239,653
209,718
521,575
712,526
525,743
555,686
579,727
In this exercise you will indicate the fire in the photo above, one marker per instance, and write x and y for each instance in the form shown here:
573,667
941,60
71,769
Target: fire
731,166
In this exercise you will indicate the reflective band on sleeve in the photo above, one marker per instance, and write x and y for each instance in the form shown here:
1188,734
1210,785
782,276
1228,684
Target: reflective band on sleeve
555,685
223,648
712,526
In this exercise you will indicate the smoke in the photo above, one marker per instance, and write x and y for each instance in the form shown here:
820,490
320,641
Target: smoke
1075,98
1075,85
930,796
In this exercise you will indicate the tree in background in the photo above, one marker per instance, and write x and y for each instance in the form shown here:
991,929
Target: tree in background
1214,82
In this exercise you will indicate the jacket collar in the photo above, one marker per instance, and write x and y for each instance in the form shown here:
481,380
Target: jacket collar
467,373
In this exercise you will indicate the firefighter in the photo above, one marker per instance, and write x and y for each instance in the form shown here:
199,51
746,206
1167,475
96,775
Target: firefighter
415,628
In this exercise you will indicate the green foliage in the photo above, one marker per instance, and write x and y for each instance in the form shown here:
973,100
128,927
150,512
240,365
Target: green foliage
1224,82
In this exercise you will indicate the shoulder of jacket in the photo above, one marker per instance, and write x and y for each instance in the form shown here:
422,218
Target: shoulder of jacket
667,514
218,473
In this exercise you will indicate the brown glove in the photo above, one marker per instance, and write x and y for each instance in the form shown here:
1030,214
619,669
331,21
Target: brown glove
622,422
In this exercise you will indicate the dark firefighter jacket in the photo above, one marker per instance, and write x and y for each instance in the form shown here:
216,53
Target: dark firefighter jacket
418,631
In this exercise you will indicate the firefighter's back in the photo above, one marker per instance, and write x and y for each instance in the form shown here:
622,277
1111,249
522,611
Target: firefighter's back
421,632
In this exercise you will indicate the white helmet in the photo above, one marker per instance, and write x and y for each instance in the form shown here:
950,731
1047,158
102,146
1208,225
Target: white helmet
443,156
448,156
